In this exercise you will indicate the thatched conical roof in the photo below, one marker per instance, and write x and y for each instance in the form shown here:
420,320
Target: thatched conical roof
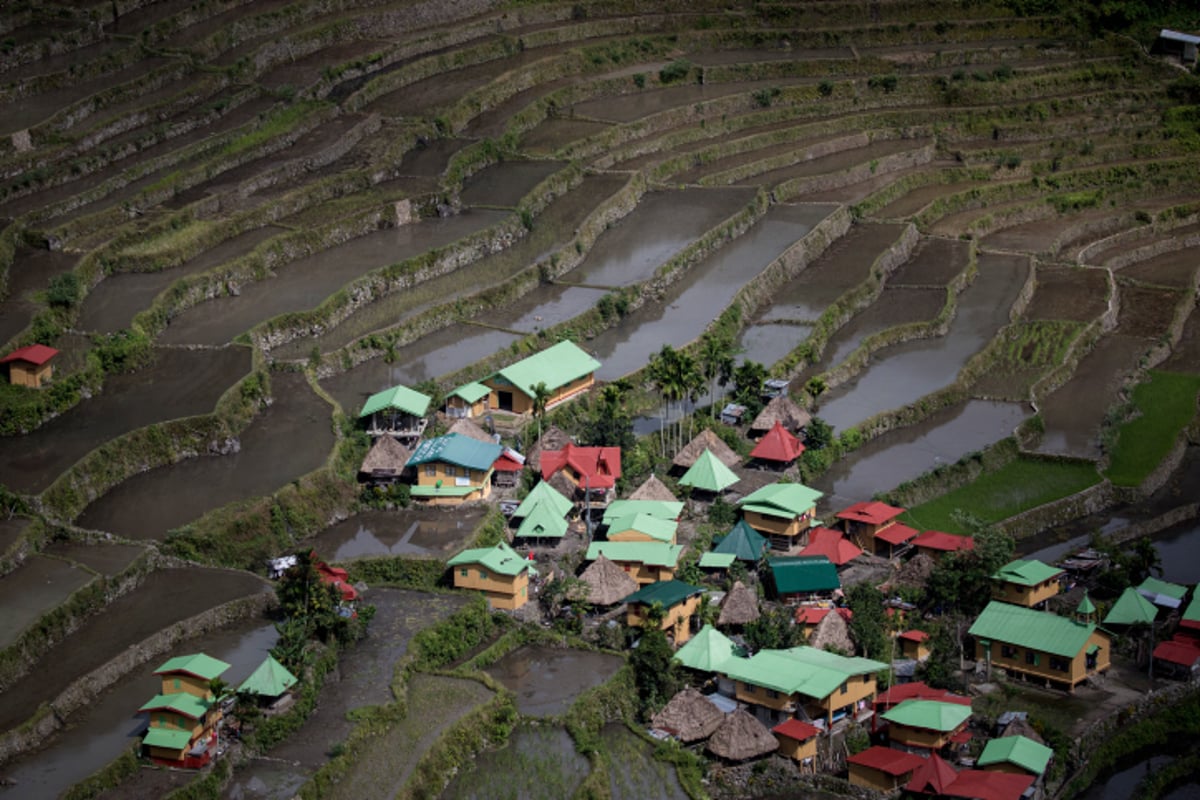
740,737
653,489
553,438
1021,727
706,439
468,428
607,583
386,457
689,716
740,606
784,410
915,572
832,633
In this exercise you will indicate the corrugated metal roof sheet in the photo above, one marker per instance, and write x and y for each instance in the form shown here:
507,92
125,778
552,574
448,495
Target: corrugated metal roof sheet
453,448
1026,572
501,559
794,574
929,714
198,664
655,554
709,474
555,366
1024,753
1025,627
782,499
398,397
668,593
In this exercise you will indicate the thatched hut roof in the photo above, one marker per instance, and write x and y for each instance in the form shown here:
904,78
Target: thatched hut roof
915,572
740,606
740,737
832,633
562,484
386,457
784,410
686,457
607,583
553,438
689,716
653,489
1021,727
468,428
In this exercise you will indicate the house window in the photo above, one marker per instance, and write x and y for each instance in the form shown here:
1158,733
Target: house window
1008,651
750,688
430,470
1032,658
464,572
771,693
482,575
1059,664
845,687
177,683
451,472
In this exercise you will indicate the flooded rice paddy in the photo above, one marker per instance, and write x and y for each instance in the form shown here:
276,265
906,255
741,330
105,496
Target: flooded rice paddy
633,772
537,763
34,588
547,680
411,531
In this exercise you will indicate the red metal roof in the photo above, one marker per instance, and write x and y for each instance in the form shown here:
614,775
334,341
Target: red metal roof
946,542
506,463
812,615
885,759
831,544
1182,651
962,737
871,512
984,785
915,636
597,467
896,534
36,354
337,577
795,729
778,445
917,690
932,776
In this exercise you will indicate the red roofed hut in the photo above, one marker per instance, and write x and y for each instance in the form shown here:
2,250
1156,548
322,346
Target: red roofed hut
932,777
914,644
882,768
984,785
30,366
831,544
798,740
777,447
873,526
938,543
593,470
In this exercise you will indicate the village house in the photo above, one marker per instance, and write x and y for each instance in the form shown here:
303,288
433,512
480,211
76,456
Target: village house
809,617
708,475
780,410
183,718
704,440
922,725
831,544
1017,755
499,572
641,528
1028,583
1039,645
468,401
803,578
783,512
1163,594
30,366
937,544
591,472
398,412
873,527
798,741
1131,609
678,602
743,543
897,693
883,769
543,514
385,462
707,652
565,369
645,562
507,468
453,469
270,683
605,583
914,644
777,448
659,509
806,683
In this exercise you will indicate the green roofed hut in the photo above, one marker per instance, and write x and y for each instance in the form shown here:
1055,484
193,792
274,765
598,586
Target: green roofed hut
645,562
1040,646
183,718
660,509
398,412
269,682
708,651
641,528
1016,754
709,475
499,572
926,724
543,492
743,542
565,369
453,469
1131,609
468,401
678,601
542,525
799,578
1026,582
783,512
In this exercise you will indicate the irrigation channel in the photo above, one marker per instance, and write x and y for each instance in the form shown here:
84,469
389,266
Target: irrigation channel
199,201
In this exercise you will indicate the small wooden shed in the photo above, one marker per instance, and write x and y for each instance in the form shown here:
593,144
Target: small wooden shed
30,366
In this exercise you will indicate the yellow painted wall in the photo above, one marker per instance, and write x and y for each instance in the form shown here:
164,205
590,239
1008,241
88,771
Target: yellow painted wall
858,687
502,591
1077,666
21,374
430,474
677,618
876,779
918,650
918,737
797,750
778,525
761,696
1028,596
167,755
476,409
645,573
633,536
523,403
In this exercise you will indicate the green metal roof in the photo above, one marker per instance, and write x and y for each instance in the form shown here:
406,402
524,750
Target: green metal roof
709,474
544,493
1086,606
445,490
655,508
662,530
1159,586
800,670
1130,608
717,560
401,398
929,714
1025,753
668,593
471,392
1037,630
656,554
744,542
1026,572
198,664
454,448
500,559
795,574
543,522
782,500
555,366
270,679
189,705
167,738
707,651
1192,613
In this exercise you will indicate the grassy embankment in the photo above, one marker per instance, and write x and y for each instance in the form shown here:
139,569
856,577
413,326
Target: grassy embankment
1165,404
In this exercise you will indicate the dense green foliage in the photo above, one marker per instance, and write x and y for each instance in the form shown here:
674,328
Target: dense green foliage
869,624
961,582
655,674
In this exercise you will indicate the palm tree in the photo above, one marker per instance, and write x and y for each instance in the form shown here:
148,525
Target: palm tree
659,373
691,383
716,360
541,396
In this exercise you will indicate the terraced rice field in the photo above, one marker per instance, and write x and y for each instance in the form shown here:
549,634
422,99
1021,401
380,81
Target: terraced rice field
237,220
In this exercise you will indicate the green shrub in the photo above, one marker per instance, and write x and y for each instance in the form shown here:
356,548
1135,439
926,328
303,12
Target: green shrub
677,70
63,291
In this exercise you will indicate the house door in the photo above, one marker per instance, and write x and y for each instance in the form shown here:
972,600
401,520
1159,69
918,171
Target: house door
505,399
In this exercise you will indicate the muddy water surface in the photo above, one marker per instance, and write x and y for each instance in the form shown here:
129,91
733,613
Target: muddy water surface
180,383
305,283
410,531
504,184
836,162
917,199
111,305
108,726
906,453
894,307
537,763
547,306
639,775
906,372
702,293
767,343
547,680
107,559
11,531
289,439
163,598
34,588
31,271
